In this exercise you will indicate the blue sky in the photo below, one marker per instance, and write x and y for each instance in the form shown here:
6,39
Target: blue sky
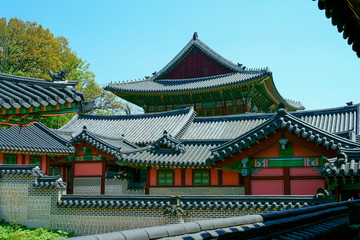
126,40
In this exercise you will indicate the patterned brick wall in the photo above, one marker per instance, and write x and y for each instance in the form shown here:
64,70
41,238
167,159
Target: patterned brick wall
39,208
88,186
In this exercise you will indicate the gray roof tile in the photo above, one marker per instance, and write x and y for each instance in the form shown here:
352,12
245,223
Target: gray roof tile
139,129
25,92
33,138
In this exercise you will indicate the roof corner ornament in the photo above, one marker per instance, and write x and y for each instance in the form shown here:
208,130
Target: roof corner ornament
195,36
341,159
349,103
58,77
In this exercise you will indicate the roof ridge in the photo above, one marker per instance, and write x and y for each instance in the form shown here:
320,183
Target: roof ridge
330,110
143,115
23,79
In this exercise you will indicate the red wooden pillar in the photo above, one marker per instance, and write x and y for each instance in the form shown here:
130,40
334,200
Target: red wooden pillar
44,165
27,159
1,157
19,159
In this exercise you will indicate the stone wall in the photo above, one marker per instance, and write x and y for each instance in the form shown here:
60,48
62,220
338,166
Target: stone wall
40,201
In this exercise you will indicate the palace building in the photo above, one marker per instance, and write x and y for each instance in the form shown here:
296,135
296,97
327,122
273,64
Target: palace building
178,153
212,85
227,132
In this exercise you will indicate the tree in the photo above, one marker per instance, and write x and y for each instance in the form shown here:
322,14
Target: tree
27,49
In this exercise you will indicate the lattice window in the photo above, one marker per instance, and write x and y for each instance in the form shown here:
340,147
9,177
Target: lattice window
170,107
34,160
198,105
238,102
229,103
54,171
10,159
151,108
219,104
201,177
161,108
165,178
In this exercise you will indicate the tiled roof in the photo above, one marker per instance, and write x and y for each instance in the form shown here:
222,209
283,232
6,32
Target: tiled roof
343,165
334,120
239,76
282,120
50,182
25,92
21,170
190,202
111,146
174,85
36,138
194,153
170,142
41,180
139,129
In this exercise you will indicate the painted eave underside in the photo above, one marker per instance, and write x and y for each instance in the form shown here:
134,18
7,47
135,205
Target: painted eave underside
35,138
25,92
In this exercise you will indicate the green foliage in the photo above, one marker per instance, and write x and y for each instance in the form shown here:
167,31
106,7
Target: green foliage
7,233
27,49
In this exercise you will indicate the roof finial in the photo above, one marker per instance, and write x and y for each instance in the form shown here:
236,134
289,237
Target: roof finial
58,77
84,128
195,36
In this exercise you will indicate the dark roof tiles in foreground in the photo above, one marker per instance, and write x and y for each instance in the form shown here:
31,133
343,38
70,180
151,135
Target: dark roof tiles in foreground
33,138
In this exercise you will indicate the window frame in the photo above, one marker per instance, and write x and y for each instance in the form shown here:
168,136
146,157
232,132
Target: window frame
161,173
203,182
10,155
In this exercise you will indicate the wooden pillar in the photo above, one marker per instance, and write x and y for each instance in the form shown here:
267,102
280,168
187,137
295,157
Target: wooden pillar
26,159
18,159
147,190
247,185
44,164
183,177
102,188
220,178
286,181
2,157
337,194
